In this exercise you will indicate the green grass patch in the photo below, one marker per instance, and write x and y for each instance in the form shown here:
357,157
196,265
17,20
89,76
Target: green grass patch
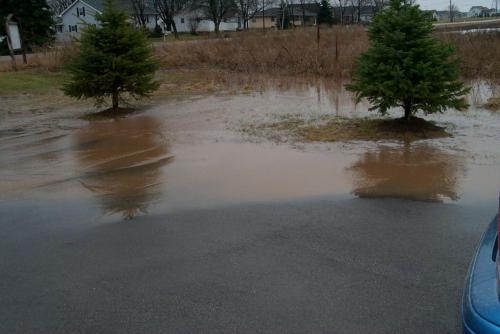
294,128
29,82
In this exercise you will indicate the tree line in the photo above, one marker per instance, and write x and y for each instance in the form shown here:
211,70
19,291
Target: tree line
220,10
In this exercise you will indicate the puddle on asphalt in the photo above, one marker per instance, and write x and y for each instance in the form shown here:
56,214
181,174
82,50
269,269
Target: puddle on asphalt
188,153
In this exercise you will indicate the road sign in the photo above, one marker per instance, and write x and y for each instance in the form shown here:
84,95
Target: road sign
15,36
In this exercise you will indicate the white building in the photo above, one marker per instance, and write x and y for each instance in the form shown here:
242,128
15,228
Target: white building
197,20
477,11
80,13
73,19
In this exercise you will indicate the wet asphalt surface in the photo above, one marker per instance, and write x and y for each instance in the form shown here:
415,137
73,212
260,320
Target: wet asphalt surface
325,265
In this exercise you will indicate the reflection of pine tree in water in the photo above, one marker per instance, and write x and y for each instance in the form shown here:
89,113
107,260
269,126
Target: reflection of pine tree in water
420,172
121,163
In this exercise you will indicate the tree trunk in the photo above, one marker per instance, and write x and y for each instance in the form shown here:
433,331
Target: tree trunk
115,99
407,108
174,28
217,31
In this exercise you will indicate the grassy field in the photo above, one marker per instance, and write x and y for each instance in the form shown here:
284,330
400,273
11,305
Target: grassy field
186,36
291,52
38,87
298,52
30,82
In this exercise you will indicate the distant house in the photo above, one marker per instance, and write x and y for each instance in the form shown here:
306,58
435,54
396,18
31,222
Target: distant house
478,11
443,14
493,12
82,12
196,20
71,21
271,17
350,15
432,14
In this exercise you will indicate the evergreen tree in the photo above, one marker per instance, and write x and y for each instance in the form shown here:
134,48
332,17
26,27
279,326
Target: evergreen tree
114,58
325,15
36,21
405,66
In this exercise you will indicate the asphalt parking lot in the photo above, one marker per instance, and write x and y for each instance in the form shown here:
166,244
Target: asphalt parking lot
325,265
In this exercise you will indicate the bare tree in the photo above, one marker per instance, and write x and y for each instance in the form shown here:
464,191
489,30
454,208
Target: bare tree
378,5
194,23
219,10
168,9
342,6
139,8
247,9
58,6
303,4
452,11
357,6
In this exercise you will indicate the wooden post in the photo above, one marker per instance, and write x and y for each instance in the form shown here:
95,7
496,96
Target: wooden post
317,31
263,21
336,45
23,48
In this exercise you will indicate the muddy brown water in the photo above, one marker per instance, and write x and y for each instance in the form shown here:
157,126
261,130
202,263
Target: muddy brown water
189,153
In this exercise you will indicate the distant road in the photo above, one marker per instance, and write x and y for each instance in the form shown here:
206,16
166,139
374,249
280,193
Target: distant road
469,24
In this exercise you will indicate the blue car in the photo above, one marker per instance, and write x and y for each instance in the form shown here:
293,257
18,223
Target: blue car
481,299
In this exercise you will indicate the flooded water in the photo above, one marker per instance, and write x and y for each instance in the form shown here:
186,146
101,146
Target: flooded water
191,153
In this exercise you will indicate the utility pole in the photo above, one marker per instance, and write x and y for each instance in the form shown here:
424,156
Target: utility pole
263,22
451,17
283,6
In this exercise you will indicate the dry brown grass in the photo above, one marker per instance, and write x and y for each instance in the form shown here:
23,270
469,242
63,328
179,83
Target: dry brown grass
291,52
49,59
492,104
297,52
479,53
330,128
285,52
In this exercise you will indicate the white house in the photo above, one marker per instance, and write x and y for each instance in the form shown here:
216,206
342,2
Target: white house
82,12
476,11
197,20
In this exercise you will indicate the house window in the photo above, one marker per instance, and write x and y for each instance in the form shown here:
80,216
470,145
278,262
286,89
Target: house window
80,11
182,20
73,28
272,18
59,28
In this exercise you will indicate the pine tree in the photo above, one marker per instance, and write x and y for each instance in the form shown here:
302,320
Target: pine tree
36,21
406,67
325,15
114,58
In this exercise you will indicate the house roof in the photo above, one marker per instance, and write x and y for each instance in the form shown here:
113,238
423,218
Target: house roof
352,10
478,7
125,5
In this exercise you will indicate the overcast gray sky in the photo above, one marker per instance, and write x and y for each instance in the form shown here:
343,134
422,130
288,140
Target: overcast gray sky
463,5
